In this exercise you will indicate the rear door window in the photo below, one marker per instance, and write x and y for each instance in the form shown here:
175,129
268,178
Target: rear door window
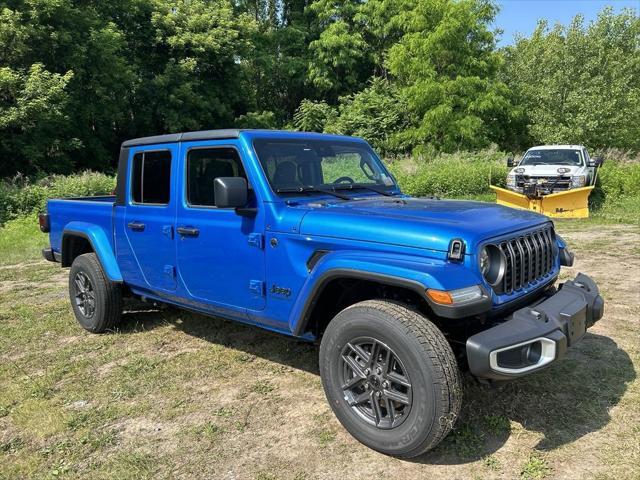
151,178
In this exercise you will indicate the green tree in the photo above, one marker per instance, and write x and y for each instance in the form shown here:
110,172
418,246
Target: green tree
139,67
200,75
376,113
313,116
446,66
353,40
277,63
32,120
581,83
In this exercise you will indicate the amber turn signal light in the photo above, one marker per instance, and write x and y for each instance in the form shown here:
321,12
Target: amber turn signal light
440,296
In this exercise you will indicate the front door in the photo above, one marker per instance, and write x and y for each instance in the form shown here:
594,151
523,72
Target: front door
149,218
220,254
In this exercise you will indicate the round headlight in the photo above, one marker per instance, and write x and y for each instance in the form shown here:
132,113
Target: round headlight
492,264
484,261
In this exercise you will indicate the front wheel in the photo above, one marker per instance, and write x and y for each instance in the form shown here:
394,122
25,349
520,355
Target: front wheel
390,377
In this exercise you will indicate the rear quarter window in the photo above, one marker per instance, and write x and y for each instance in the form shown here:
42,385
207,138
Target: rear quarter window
151,178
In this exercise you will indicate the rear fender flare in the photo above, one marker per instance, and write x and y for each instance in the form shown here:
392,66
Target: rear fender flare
100,244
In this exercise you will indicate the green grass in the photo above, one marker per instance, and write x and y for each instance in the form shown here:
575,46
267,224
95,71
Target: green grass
176,394
619,210
21,240
536,468
173,394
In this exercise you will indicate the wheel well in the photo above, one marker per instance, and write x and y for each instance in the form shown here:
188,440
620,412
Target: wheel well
339,293
72,246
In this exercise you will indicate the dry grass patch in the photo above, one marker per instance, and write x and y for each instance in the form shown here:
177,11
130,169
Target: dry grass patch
177,395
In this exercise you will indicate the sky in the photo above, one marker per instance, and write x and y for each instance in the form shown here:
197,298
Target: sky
521,16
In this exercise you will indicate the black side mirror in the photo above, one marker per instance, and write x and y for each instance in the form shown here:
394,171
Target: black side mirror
596,162
230,192
510,162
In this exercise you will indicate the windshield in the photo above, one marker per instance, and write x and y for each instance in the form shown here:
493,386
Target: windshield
293,165
561,156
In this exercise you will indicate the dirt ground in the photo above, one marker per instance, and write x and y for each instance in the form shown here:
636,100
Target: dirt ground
177,395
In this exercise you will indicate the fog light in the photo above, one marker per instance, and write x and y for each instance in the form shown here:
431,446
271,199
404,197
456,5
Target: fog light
519,357
524,356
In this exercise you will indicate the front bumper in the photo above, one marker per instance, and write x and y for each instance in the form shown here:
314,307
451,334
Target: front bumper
534,337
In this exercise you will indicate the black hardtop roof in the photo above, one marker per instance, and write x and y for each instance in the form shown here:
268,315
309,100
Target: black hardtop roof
222,134
186,136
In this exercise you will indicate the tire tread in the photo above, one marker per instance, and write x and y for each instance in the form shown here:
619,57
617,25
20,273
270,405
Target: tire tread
111,291
445,367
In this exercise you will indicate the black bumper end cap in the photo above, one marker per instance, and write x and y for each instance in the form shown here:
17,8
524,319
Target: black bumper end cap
50,255
562,318
566,257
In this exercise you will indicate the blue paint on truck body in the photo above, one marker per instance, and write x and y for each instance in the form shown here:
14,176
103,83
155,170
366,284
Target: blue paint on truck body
257,268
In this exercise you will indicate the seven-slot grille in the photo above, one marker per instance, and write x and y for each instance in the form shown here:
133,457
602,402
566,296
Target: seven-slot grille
529,257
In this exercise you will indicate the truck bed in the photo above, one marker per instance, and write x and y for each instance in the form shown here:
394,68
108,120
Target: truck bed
95,210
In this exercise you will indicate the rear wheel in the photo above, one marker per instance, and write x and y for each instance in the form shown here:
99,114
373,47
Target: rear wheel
390,377
96,301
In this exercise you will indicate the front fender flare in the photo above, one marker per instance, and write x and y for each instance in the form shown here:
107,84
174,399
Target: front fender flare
99,241
414,273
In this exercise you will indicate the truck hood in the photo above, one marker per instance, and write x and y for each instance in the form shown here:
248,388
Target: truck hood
413,222
547,170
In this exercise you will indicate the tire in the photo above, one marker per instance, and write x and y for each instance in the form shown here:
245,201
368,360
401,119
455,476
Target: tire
422,372
100,308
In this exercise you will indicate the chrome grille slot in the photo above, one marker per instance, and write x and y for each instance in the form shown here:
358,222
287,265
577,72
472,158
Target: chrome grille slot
529,258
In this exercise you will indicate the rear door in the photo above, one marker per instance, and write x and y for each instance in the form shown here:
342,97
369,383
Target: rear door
220,254
150,215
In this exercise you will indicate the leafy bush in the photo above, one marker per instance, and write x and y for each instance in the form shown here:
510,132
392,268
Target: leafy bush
467,174
375,113
313,116
461,175
451,175
19,196
619,179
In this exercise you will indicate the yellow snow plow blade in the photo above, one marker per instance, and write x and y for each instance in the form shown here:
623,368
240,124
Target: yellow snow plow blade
568,204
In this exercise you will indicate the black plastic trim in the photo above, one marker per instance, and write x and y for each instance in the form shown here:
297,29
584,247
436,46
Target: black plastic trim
50,255
566,257
246,211
562,318
326,277
121,179
315,258
446,311
528,299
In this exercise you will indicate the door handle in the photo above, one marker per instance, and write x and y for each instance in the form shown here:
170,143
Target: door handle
188,231
136,226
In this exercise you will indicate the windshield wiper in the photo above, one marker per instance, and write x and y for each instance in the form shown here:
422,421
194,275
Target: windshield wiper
366,187
311,188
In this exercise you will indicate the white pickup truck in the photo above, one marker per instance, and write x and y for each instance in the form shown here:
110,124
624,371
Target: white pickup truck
552,168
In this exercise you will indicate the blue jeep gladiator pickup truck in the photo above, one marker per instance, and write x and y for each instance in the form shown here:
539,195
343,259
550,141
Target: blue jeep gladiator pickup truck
310,236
